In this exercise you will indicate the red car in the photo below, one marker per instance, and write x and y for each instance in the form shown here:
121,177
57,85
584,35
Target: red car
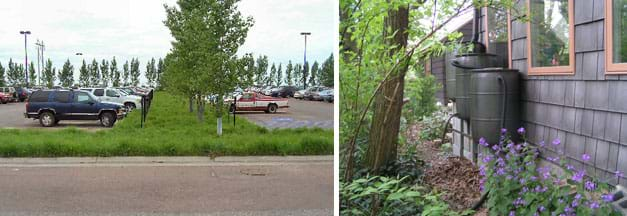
5,98
251,101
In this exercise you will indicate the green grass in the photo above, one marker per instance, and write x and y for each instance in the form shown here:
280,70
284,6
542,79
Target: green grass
170,131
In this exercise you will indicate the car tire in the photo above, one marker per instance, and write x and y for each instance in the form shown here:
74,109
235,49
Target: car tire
107,119
130,106
272,108
47,119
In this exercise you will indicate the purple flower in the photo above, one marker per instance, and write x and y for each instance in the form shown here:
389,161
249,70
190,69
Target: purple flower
569,167
500,171
500,162
487,159
541,208
590,186
568,209
577,196
579,176
521,130
618,174
585,157
519,202
496,148
556,141
503,130
607,197
512,213
483,142
575,203
542,143
594,205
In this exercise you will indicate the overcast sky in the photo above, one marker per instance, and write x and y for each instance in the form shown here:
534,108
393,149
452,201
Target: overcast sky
134,28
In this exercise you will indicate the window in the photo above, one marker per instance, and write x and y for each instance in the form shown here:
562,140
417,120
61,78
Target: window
62,97
616,36
39,96
111,93
82,97
99,92
551,37
497,35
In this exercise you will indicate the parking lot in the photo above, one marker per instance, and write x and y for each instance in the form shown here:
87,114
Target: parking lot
12,116
300,114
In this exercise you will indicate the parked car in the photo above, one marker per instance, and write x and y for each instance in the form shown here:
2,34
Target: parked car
114,95
21,93
300,94
52,106
5,97
327,95
284,91
252,101
313,93
9,91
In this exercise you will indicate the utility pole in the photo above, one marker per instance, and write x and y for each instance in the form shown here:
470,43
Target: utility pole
25,33
305,59
40,53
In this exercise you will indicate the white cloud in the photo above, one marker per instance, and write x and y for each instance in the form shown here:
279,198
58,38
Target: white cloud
134,28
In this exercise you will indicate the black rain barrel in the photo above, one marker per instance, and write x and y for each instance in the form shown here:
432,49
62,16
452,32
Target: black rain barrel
463,65
491,90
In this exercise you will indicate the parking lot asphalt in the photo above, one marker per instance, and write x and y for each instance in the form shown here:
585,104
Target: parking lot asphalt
12,116
301,113
176,186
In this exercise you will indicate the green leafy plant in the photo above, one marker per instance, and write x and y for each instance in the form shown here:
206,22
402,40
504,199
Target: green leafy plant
421,94
431,126
518,186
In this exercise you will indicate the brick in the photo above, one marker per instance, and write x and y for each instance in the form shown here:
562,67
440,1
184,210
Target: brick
568,119
584,11
616,93
569,93
602,154
580,93
589,65
586,122
597,95
598,130
612,127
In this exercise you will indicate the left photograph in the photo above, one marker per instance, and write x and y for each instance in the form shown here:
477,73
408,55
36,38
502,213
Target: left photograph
186,107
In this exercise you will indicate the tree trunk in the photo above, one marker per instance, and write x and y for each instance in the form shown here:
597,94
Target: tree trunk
200,109
388,101
191,104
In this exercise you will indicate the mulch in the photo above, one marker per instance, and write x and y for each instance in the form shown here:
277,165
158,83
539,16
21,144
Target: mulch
457,178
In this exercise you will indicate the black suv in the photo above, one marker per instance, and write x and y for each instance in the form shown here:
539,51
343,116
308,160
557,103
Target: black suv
51,106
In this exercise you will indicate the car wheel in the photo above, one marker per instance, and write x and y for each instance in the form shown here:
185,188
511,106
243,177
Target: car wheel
130,106
232,108
47,119
107,119
272,108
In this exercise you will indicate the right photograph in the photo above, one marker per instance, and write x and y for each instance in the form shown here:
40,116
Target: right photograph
483,107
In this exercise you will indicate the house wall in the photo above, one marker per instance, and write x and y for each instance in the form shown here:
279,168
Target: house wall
587,111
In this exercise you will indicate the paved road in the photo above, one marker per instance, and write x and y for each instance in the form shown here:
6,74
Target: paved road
148,186
300,114
12,116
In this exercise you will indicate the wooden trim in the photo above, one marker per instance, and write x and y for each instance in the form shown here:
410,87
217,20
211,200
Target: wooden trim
555,70
610,66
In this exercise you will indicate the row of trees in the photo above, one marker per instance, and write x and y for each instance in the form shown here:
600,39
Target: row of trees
294,74
105,73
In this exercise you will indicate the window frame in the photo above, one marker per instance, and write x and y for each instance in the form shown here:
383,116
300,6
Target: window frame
554,70
611,68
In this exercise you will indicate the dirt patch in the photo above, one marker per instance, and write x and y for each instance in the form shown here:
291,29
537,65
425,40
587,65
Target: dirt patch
456,177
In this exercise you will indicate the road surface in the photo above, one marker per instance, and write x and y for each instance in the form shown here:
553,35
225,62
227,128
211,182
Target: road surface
167,186
12,116
300,114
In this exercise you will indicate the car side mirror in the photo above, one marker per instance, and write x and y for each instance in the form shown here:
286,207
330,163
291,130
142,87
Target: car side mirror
91,103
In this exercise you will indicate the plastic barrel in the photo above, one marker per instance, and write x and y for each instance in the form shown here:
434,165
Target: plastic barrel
463,65
495,103
450,76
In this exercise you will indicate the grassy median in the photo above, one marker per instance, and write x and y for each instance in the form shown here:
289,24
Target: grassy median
170,131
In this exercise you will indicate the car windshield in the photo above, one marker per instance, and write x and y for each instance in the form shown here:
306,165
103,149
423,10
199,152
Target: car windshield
121,92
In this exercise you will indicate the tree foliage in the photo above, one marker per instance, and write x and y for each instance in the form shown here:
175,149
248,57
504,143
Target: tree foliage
115,73
134,73
261,69
66,75
2,72
32,75
48,74
83,75
327,72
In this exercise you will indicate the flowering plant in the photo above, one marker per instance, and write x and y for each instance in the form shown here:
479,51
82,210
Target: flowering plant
517,185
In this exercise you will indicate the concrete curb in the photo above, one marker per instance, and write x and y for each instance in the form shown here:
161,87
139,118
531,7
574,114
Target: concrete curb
164,161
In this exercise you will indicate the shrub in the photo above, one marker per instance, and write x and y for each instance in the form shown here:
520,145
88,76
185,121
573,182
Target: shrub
421,94
517,186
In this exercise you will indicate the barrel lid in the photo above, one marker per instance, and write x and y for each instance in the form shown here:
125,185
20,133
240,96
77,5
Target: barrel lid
494,69
476,54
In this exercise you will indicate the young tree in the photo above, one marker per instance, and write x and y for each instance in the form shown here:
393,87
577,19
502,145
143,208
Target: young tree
115,73
261,70
66,75
313,80
135,72
279,76
94,73
125,74
270,77
32,76
297,75
104,73
151,72
288,73
327,72
305,74
160,67
207,35
13,75
83,75
2,72
48,74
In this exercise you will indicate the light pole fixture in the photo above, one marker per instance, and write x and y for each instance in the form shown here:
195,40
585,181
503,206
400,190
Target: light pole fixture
79,53
25,33
305,60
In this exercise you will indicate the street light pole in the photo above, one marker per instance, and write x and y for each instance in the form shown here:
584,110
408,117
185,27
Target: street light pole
305,59
25,33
